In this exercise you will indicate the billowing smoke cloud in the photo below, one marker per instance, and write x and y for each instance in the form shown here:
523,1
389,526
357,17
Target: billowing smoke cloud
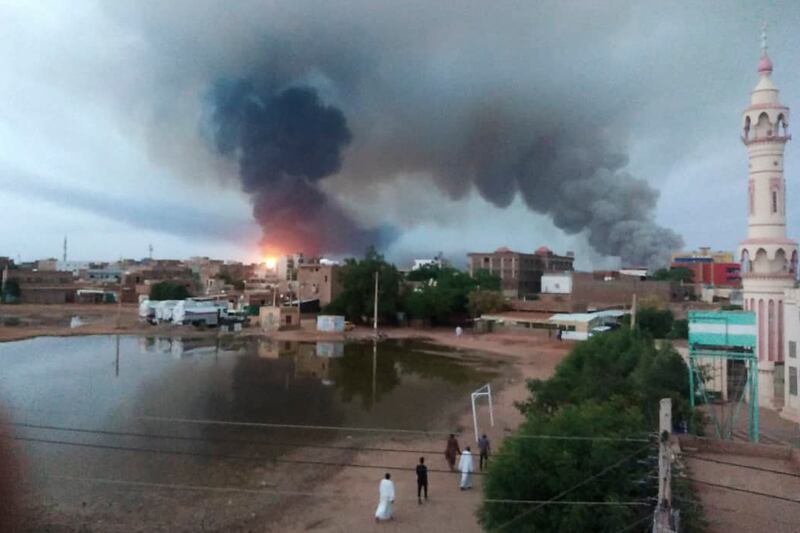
285,143
344,97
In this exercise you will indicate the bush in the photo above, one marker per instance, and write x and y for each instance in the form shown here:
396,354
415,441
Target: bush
657,323
168,290
608,386
538,469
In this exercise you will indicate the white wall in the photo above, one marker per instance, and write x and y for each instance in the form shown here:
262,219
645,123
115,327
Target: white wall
791,329
557,283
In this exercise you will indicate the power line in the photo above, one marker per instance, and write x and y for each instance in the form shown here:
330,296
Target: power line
579,485
272,443
221,456
740,465
210,422
201,421
746,491
280,444
271,492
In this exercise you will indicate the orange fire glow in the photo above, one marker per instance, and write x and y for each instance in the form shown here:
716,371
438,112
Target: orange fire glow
271,262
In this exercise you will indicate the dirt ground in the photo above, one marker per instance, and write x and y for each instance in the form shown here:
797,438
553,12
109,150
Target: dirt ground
306,497
728,511
449,508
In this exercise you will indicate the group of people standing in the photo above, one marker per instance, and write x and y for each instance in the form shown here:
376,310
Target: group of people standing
452,450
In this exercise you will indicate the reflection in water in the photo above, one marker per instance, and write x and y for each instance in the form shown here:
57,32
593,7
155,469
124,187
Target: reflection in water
111,383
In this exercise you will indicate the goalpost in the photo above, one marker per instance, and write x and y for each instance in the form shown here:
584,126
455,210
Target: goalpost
486,390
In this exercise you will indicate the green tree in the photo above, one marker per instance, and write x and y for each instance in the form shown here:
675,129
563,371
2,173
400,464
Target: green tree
679,274
657,323
168,290
539,469
12,291
444,293
680,329
485,301
621,364
485,280
357,298
608,386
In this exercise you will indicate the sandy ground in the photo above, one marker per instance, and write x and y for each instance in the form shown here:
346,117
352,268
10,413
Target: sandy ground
328,498
729,511
448,509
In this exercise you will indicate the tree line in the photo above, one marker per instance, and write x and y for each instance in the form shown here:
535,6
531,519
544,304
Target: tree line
436,294
605,391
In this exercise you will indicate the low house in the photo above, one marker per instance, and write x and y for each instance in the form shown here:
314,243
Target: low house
279,317
41,286
581,326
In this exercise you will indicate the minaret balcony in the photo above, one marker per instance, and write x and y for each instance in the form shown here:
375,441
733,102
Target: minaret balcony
768,139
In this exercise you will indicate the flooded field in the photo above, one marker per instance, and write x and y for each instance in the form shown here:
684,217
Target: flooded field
89,411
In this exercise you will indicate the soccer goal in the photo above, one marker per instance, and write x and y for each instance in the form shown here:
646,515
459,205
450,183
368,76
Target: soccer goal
486,391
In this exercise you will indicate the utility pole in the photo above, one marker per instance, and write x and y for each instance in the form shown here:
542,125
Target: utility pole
299,310
375,311
662,522
633,311
65,250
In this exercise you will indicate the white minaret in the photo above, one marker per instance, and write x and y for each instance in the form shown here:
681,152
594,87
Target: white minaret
768,257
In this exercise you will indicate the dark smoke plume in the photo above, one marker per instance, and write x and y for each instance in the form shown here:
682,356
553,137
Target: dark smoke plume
284,144
347,99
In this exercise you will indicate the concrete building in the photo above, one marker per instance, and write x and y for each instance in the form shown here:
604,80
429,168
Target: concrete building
320,281
520,273
557,283
716,269
768,257
41,286
719,256
279,318
586,290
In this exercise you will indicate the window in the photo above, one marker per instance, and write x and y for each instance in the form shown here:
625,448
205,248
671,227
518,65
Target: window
774,201
793,380
792,349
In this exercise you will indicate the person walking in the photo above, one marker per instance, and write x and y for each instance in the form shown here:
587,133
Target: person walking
451,451
386,492
484,449
422,480
466,468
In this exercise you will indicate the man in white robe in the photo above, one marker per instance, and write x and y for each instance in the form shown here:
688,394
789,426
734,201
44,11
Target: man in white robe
466,468
386,491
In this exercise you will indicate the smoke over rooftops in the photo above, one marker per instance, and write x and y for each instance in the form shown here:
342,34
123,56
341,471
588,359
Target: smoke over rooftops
464,99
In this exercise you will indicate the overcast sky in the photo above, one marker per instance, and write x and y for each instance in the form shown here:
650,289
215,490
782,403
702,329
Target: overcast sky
102,114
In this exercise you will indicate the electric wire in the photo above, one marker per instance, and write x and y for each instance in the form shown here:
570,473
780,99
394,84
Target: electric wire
202,421
281,492
156,436
740,465
279,460
745,491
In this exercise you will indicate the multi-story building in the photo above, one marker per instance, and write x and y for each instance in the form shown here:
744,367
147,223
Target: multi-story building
319,280
768,256
520,273
709,268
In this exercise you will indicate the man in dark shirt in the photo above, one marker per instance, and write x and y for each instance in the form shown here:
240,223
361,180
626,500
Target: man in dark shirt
422,480
485,449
